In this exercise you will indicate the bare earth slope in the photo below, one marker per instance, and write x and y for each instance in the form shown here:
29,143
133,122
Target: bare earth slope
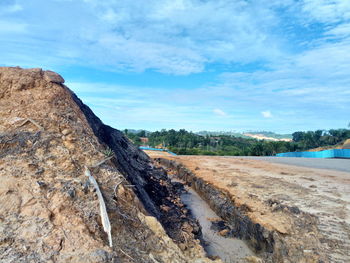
49,212
308,210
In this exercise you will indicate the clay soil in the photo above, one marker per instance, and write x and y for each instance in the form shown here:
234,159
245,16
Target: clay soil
267,190
49,210
157,154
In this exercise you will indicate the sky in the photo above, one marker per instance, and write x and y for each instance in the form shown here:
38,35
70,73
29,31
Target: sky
218,65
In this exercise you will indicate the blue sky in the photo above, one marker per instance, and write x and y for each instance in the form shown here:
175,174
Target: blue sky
277,65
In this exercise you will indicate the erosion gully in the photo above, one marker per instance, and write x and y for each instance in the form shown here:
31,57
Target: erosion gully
219,239
229,249
154,189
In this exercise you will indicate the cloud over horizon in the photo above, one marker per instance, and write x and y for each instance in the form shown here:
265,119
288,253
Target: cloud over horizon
237,58
220,112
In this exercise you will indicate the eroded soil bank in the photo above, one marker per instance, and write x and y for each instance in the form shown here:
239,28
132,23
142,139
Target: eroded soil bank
49,210
217,237
277,232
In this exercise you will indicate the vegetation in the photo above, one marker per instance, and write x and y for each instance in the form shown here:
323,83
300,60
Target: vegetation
242,135
320,138
188,143
108,152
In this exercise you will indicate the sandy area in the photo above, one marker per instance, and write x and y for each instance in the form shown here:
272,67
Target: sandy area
157,154
263,137
323,193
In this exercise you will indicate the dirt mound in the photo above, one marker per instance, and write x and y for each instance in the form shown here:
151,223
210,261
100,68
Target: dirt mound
49,209
346,144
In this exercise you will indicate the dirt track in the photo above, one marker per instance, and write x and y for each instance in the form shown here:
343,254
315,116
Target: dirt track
322,193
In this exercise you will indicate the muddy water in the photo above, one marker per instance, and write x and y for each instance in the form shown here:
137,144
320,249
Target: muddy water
228,249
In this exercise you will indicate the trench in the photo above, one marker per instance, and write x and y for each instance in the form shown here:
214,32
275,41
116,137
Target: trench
206,202
228,249
152,185
160,198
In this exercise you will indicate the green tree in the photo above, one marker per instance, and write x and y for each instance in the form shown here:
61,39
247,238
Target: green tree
142,133
298,136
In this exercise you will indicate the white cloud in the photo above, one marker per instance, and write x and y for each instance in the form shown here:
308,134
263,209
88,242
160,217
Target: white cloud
109,16
342,30
266,114
127,107
176,37
275,93
281,55
327,11
220,112
10,8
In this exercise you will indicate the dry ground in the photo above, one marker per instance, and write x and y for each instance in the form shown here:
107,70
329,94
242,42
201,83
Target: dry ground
323,193
49,210
157,154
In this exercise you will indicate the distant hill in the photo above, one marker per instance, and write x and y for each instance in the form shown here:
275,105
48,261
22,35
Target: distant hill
273,135
217,133
270,136
256,143
260,135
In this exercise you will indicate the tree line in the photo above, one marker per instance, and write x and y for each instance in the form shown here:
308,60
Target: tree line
188,143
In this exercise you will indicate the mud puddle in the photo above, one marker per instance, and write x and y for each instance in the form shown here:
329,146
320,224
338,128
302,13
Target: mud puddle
230,250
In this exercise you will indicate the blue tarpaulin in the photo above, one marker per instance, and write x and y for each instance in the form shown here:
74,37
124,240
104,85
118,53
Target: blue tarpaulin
336,153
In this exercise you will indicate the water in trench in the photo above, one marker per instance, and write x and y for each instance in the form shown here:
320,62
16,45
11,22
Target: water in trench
230,250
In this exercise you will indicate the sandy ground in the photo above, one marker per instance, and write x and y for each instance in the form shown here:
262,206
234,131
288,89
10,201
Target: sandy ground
157,154
263,137
323,193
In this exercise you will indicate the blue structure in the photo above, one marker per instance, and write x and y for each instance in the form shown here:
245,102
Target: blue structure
336,153
155,149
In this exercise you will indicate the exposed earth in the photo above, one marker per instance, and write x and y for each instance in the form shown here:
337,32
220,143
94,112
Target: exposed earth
305,211
50,211
263,137
75,190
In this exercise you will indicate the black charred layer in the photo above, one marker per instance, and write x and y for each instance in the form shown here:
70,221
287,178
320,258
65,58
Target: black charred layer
257,236
152,185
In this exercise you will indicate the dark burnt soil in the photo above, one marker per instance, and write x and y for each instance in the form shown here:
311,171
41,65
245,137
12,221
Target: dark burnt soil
160,197
260,239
